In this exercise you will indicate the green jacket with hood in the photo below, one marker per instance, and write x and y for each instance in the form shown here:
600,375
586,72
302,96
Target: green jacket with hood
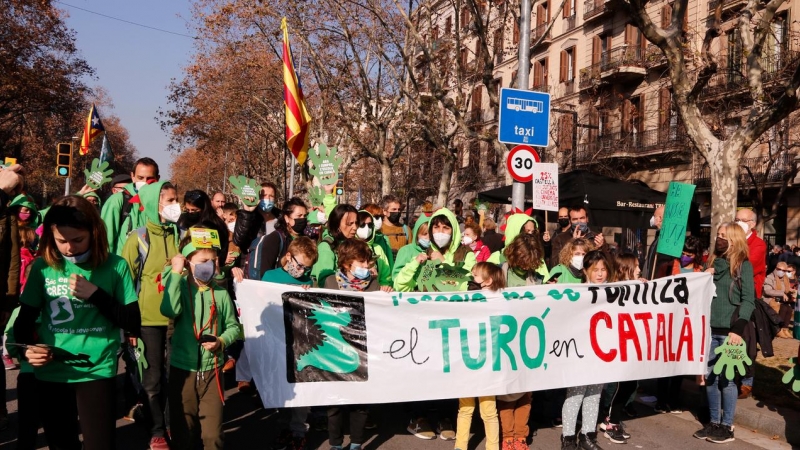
406,279
116,230
326,260
383,263
411,250
190,307
163,245
24,200
514,226
94,194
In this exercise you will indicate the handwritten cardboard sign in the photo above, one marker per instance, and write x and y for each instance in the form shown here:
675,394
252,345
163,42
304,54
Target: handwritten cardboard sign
545,186
676,216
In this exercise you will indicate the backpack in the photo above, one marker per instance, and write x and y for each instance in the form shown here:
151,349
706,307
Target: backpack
253,264
125,212
144,248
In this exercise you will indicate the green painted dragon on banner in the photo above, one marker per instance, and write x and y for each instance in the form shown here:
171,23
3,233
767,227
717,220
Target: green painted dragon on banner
334,354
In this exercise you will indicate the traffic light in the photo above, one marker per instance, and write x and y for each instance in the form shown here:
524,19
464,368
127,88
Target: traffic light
340,185
63,159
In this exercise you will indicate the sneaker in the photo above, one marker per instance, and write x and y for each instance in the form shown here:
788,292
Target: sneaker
446,431
705,432
283,440
245,387
676,410
230,364
299,443
721,434
613,434
507,444
588,441
421,428
662,409
621,428
520,444
569,442
556,423
9,363
159,443
133,412
370,424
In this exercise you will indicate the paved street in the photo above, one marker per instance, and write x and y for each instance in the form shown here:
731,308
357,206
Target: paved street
248,427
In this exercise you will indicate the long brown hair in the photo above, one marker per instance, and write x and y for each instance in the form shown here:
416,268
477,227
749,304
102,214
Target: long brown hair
737,253
626,267
75,212
525,252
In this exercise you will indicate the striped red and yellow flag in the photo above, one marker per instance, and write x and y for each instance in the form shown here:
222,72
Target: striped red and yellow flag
298,120
91,129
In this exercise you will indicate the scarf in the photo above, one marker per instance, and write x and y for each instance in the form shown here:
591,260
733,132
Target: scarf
354,284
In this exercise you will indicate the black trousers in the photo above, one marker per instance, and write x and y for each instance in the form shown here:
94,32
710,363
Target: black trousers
358,418
61,404
28,411
155,376
669,391
623,392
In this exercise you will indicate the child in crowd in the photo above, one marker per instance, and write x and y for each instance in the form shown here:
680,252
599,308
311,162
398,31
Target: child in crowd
598,269
205,323
472,239
486,277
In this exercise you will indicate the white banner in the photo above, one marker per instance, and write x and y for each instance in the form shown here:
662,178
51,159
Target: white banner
322,347
545,187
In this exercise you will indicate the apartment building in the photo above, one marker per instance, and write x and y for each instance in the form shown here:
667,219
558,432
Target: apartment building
595,62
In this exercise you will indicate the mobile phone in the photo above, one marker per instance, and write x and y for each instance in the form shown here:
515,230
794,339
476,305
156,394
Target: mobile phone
208,338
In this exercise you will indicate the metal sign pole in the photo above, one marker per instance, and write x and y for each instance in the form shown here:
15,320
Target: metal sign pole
517,188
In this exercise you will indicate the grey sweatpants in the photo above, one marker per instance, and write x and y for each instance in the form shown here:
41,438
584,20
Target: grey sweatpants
589,397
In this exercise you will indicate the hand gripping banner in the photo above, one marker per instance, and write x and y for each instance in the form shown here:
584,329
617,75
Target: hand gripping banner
323,347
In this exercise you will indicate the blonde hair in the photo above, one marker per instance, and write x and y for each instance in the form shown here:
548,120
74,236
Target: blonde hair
738,252
489,271
565,257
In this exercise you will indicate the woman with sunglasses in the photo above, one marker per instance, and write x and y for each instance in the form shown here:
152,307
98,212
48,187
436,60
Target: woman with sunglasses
381,269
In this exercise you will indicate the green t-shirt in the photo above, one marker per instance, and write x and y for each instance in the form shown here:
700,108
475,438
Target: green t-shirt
76,325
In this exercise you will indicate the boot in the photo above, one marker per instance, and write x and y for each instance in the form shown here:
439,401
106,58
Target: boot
588,441
569,442
745,392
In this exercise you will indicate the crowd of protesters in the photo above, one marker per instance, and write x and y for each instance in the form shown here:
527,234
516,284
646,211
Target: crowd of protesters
90,279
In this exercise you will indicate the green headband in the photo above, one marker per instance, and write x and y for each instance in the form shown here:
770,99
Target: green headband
188,249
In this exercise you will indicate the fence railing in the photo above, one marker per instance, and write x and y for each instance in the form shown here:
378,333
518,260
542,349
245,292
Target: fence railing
626,143
758,165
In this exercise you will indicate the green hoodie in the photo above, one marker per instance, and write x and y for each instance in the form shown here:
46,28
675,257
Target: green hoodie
409,251
111,214
163,245
326,260
328,202
23,200
93,194
514,226
406,279
384,266
191,307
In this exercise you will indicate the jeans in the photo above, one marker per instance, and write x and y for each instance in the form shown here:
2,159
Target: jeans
196,409
358,418
488,408
155,350
721,392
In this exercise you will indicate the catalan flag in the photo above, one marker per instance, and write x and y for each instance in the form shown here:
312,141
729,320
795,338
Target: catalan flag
298,120
92,128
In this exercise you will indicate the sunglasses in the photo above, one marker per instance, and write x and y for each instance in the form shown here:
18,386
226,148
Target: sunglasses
300,266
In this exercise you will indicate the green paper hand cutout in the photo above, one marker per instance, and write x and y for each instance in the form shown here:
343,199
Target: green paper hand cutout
141,361
97,175
247,189
325,164
315,196
435,277
792,377
482,206
731,358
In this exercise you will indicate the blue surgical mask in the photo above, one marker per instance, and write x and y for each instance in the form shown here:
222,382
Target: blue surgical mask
362,273
78,259
204,272
266,205
424,243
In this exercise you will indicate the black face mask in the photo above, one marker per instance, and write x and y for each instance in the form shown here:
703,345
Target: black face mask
720,246
473,286
394,217
299,225
563,223
187,220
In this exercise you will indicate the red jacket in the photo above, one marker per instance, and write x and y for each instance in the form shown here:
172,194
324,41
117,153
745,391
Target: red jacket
758,258
482,252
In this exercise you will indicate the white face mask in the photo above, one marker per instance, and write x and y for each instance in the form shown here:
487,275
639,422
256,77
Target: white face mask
364,233
321,217
441,239
745,227
652,221
171,213
790,275
466,240
378,224
138,185
779,273
231,226
577,262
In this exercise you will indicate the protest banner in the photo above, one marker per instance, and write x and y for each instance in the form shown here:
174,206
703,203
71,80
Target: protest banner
323,347
676,216
545,187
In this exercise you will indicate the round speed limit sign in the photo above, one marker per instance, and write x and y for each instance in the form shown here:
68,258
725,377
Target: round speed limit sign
520,163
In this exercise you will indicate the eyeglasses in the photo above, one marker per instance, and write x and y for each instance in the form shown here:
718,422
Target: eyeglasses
379,216
299,266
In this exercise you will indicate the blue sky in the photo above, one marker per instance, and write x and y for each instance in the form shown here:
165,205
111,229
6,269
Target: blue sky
135,64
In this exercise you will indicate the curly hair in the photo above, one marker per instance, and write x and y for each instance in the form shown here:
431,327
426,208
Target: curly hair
565,257
525,252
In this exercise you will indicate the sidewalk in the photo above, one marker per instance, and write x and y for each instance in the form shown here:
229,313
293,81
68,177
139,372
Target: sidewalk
761,412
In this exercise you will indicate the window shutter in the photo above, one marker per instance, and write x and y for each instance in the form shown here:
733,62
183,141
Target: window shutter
664,107
516,33
596,49
566,10
547,11
563,75
540,14
546,70
537,74
629,34
666,16
641,115
626,116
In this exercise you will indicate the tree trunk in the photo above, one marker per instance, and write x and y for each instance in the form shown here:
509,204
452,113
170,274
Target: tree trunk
724,171
386,178
444,183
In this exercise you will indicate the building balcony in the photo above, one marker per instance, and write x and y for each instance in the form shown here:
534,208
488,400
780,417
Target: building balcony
731,80
621,64
542,88
727,5
758,165
538,32
569,23
654,57
593,9
652,144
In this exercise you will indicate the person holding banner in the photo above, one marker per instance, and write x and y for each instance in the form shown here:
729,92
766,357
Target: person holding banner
342,225
730,314
420,244
570,267
367,232
598,269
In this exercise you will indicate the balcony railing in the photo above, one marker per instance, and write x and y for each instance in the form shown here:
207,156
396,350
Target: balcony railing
541,88
732,78
594,8
632,144
614,59
569,23
538,32
758,165
726,5
654,57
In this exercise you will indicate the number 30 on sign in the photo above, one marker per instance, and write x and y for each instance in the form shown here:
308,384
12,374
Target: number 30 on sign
521,162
